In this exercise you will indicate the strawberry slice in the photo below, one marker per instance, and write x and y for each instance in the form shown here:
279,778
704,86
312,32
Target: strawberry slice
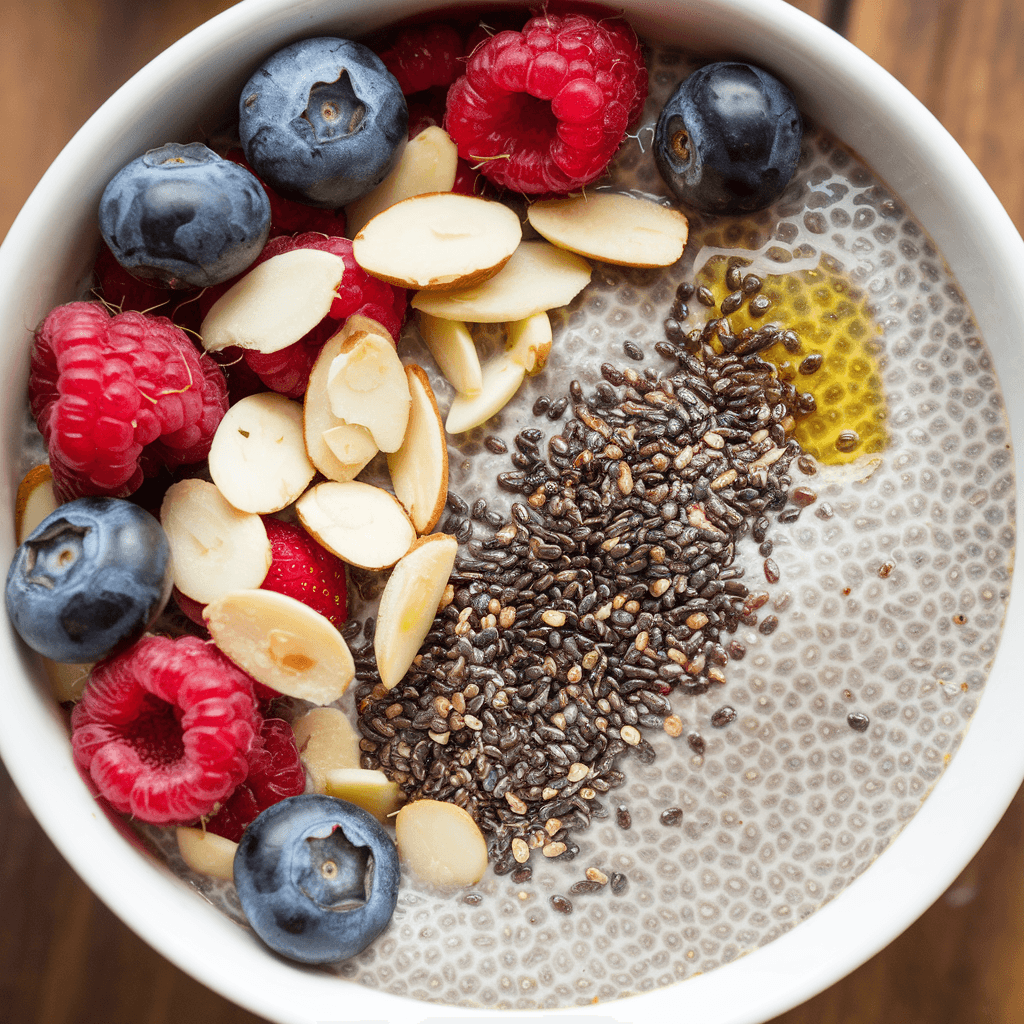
303,569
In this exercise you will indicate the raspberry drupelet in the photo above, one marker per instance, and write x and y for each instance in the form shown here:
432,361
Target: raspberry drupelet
544,110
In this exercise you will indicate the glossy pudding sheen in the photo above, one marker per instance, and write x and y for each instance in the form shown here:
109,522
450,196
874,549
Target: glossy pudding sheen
881,590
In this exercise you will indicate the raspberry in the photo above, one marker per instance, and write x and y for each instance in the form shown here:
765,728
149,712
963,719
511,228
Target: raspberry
118,289
165,729
544,110
286,215
287,370
115,397
303,569
275,772
424,56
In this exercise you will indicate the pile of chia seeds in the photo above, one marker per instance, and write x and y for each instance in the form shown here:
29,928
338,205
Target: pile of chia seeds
611,585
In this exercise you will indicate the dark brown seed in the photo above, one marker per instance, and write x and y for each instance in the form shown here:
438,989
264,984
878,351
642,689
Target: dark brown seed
723,717
495,444
706,297
582,888
858,720
811,364
696,742
847,441
759,305
622,817
732,302
541,405
522,875
671,817
751,284
768,625
633,351
771,570
618,883
561,904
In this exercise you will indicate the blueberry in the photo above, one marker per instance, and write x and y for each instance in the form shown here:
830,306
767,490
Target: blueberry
89,580
728,139
323,121
317,878
185,217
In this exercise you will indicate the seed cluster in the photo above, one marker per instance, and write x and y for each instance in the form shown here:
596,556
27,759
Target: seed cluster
611,585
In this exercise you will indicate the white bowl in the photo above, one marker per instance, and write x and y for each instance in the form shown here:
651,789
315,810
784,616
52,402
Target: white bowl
50,247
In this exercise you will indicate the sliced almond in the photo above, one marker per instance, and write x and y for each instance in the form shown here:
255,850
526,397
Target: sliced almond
282,643
215,548
67,679
367,788
367,386
419,469
35,500
352,445
441,843
502,377
428,163
451,344
613,228
409,603
362,524
347,452
529,342
538,277
258,458
442,240
326,740
276,303
207,853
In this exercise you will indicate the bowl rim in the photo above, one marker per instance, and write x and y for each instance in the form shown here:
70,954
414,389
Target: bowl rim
985,774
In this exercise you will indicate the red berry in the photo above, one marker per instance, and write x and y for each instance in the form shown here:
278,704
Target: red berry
287,216
287,370
303,569
109,393
424,56
121,291
164,730
544,110
275,772
300,568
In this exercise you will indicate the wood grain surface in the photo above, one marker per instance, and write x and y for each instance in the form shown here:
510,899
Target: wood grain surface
65,959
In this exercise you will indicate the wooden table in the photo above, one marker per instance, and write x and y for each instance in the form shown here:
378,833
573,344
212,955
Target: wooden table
65,959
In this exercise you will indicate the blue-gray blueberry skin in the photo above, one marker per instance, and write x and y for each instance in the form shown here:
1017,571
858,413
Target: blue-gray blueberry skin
728,139
89,580
323,121
317,878
184,217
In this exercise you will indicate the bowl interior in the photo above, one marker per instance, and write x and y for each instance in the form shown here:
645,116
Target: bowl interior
196,82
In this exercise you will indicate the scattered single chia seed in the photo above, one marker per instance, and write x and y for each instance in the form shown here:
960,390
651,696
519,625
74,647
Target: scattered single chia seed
671,817
858,720
619,883
561,904
723,717
622,817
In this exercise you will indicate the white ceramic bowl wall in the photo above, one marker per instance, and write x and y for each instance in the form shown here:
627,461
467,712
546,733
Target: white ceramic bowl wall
50,248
